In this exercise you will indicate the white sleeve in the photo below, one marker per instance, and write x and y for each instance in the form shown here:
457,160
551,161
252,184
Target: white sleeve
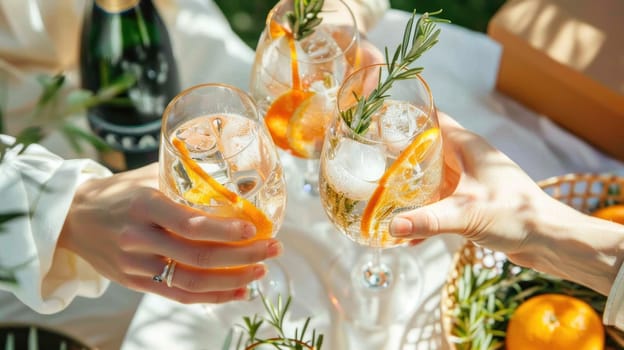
368,12
42,184
614,310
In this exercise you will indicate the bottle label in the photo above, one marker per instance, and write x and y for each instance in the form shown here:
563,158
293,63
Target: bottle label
116,5
132,145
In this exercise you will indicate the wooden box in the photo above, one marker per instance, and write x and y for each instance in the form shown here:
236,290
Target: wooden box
565,59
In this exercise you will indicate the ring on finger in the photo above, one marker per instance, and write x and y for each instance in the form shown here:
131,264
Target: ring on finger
167,273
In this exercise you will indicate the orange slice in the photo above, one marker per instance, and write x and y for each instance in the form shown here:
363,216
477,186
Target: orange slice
306,128
393,189
279,114
206,190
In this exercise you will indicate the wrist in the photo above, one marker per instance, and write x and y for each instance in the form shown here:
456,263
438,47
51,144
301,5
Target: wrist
574,246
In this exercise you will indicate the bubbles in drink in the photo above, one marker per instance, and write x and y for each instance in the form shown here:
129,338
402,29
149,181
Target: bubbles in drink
356,168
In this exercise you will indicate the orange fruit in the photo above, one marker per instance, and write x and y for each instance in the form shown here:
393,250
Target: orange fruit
555,322
393,190
205,190
278,116
613,213
307,126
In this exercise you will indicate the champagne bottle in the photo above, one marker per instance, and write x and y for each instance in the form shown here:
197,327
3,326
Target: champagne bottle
122,38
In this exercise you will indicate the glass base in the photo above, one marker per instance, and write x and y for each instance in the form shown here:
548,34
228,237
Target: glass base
388,295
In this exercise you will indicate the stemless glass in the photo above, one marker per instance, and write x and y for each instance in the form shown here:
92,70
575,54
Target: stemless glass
220,128
294,82
368,176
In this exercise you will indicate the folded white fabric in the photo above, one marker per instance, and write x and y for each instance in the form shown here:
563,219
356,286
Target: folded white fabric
42,184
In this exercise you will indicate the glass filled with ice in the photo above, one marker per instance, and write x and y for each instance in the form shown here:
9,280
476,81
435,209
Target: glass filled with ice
217,156
296,75
390,162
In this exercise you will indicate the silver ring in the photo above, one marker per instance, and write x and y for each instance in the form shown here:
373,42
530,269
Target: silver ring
167,273
172,265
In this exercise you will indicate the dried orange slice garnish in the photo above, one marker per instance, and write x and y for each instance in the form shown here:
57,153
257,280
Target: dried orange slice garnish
555,322
306,128
206,190
279,114
393,189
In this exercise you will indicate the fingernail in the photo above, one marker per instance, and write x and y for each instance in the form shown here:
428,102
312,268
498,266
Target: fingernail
274,249
248,230
400,227
259,272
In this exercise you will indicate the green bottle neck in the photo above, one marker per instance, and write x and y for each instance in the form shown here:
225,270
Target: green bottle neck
117,5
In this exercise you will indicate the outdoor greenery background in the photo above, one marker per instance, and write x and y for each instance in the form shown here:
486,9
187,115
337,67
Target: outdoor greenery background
247,16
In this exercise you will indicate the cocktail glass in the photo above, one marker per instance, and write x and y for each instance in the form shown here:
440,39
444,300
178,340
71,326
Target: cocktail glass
216,155
294,81
369,171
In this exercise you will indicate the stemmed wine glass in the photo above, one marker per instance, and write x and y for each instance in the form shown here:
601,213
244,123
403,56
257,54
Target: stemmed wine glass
295,76
372,167
216,155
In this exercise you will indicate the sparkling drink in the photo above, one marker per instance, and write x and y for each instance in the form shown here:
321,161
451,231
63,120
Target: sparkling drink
353,168
231,149
217,156
296,74
295,82
382,155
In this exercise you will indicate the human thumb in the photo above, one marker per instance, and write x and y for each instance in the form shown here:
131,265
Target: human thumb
445,216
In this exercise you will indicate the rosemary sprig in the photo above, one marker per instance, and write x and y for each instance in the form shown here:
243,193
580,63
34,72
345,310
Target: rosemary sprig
304,17
249,338
417,39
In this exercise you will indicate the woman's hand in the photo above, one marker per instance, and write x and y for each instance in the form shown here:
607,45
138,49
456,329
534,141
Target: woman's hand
491,201
127,229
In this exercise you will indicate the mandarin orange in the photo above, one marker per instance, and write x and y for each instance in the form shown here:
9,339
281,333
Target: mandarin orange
613,213
555,322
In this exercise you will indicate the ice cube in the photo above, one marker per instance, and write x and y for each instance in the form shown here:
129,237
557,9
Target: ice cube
319,46
356,168
319,55
398,123
198,139
239,142
275,69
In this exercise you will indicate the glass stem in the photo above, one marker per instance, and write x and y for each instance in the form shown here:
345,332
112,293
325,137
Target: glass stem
376,274
310,177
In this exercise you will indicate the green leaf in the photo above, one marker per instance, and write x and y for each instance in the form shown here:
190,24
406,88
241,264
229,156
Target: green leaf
75,134
51,86
28,136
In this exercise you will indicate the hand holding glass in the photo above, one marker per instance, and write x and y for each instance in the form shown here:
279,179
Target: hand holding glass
217,156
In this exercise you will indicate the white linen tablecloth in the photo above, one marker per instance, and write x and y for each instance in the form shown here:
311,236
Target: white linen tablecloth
461,70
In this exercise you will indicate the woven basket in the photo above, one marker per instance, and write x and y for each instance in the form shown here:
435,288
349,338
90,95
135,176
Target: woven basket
584,192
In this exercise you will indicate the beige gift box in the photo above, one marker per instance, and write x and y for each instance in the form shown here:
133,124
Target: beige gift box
565,59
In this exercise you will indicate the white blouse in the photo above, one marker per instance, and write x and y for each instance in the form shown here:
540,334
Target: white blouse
614,310
40,182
